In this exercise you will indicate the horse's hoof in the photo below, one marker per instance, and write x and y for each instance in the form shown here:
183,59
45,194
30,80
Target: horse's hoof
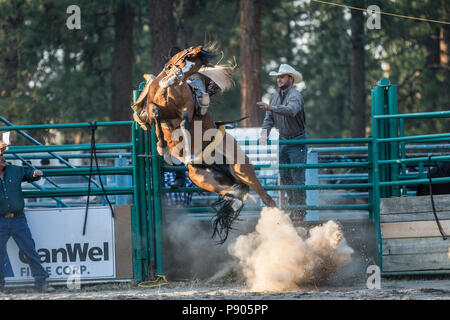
237,204
271,203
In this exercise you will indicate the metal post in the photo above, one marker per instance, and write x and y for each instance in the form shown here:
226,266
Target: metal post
157,208
142,203
403,154
139,219
135,221
393,133
150,216
383,127
377,105
370,181
312,177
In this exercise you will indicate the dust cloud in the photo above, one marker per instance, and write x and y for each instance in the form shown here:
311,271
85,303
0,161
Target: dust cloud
190,252
279,257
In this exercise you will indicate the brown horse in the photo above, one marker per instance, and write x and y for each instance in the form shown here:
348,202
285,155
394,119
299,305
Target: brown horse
168,95
218,166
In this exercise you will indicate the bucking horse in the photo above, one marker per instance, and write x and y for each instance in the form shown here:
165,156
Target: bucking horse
186,132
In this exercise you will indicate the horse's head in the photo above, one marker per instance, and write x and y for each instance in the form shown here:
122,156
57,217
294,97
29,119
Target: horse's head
183,64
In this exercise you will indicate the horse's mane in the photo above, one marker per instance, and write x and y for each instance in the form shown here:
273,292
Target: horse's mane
206,54
222,75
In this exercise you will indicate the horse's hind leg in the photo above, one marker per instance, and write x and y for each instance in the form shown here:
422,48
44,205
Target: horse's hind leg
246,174
243,170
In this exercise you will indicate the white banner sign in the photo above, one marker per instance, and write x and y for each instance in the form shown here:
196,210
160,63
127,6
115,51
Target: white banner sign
65,253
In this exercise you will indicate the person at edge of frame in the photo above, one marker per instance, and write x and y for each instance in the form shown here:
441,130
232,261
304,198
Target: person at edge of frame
13,222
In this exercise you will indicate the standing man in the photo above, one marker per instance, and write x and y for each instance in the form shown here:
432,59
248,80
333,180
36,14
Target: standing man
13,222
286,112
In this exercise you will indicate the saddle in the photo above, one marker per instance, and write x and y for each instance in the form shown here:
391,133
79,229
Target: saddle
199,94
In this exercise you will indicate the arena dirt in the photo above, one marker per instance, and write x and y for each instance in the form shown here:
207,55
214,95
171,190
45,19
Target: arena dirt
197,268
391,289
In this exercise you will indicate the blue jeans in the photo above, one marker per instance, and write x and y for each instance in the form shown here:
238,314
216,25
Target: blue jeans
18,229
294,154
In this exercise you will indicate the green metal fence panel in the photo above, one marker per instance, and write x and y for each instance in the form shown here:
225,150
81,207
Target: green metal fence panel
394,159
138,253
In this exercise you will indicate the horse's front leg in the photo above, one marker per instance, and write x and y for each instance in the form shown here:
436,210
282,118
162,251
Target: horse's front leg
161,145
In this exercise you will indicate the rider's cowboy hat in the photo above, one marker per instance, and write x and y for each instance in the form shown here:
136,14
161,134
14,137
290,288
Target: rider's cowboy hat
287,69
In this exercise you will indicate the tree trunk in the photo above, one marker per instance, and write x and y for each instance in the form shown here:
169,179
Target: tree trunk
162,31
358,89
250,62
433,48
122,70
10,73
184,31
445,41
444,50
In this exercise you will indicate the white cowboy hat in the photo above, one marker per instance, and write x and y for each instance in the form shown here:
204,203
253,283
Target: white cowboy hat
287,69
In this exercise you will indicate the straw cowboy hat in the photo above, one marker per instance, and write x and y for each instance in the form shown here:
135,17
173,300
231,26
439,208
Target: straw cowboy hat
287,69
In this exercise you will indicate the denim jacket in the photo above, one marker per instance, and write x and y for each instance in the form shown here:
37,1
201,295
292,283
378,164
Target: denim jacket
11,196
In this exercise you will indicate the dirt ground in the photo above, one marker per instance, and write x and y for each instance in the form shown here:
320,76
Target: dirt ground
407,288
347,284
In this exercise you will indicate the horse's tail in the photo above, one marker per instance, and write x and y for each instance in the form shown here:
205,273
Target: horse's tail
228,211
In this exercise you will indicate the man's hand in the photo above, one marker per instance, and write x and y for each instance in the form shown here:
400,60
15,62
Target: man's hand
37,173
264,106
262,140
3,147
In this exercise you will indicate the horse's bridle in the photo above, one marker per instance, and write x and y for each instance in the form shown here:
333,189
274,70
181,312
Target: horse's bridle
175,67
176,70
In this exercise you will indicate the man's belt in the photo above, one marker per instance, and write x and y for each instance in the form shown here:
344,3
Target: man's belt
292,137
11,215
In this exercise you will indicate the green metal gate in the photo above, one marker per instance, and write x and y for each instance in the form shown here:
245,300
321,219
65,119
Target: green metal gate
389,158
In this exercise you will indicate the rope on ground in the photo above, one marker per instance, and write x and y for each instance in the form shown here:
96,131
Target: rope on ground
154,283
385,13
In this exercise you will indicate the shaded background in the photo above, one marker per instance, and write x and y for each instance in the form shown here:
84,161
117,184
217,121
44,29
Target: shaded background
50,74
